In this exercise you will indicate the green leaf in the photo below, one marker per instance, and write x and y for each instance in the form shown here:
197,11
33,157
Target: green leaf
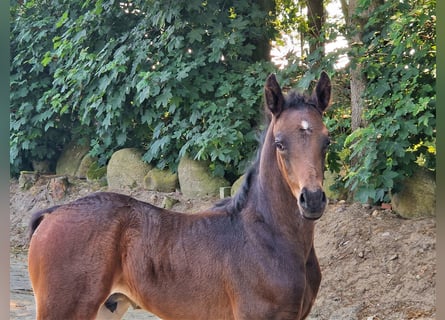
46,59
164,98
62,19
195,35
106,122
49,124
306,81
121,138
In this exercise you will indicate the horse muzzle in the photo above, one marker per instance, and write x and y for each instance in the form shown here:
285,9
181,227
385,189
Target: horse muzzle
312,203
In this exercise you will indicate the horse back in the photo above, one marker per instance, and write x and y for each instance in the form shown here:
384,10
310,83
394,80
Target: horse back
95,213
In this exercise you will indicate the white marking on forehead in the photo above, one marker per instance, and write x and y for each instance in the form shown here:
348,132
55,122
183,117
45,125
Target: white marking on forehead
304,125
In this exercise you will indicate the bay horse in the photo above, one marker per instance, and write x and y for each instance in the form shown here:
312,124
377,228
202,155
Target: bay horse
248,257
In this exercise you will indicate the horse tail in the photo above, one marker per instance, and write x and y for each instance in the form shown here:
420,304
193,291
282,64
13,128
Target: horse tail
37,218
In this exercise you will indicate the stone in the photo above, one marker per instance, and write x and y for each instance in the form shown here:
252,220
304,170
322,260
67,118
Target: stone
375,213
70,159
169,202
97,173
85,164
394,257
161,180
58,187
417,196
366,206
27,179
195,180
224,192
42,166
126,169
236,185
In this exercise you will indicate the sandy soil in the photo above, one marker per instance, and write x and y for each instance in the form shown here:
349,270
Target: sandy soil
375,265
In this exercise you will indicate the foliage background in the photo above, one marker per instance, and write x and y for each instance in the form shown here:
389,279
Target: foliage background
187,77
399,58
170,78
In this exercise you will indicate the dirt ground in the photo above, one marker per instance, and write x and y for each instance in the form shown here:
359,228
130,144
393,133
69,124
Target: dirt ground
375,265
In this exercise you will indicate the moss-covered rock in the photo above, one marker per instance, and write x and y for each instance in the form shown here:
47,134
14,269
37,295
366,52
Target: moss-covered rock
161,180
417,197
236,185
97,173
70,159
168,202
85,164
195,179
126,169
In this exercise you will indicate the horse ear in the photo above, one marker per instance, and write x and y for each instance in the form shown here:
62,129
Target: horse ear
322,91
273,95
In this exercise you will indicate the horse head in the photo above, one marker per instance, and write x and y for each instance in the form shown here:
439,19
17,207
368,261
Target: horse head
301,140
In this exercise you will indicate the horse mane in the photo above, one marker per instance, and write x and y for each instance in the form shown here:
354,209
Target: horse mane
234,205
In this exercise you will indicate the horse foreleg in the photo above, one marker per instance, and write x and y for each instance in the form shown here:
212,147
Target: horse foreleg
313,279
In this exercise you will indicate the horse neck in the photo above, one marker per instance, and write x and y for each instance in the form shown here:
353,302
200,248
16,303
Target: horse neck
276,202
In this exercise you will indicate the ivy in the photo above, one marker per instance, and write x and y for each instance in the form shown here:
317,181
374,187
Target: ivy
401,71
36,132
171,78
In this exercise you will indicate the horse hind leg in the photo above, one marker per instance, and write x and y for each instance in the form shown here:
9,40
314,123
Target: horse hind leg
59,309
60,295
81,306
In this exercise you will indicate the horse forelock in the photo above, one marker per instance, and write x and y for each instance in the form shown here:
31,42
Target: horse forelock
296,100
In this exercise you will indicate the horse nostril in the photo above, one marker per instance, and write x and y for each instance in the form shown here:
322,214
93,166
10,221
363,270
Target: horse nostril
312,200
323,197
303,201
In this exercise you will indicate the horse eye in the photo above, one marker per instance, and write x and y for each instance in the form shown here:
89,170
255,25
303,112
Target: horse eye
279,145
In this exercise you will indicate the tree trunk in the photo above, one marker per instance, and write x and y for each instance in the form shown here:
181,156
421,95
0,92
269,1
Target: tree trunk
263,44
354,25
315,16
358,85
